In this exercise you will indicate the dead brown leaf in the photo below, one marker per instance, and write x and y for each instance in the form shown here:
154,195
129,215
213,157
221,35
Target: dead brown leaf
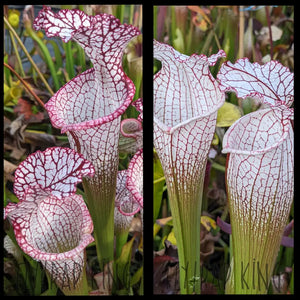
39,138
104,281
25,107
9,167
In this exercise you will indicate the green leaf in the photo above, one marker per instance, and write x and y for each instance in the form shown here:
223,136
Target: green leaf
137,276
179,41
47,56
69,59
171,238
207,276
291,287
57,54
228,114
6,72
122,264
4,194
11,196
159,182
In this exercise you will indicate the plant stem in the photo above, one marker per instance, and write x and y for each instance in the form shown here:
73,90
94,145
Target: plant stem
6,73
121,239
100,190
255,250
173,24
17,54
82,287
47,56
155,12
101,207
186,213
81,58
69,59
58,61
52,287
270,31
28,56
131,14
120,13
217,166
159,180
25,85
241,32
208,42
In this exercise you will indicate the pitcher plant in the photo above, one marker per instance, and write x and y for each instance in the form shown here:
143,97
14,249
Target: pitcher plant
89,107
186,100
51,223
260,170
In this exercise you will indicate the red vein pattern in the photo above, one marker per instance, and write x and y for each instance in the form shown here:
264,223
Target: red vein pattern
138,104
56,170
272,82
91,104
129,195
261,180
102,93
259,132
98,96
51,223
186,100
260,170
125,201
134,182
260,190
125,205
184,87
54,231
132,128
89,107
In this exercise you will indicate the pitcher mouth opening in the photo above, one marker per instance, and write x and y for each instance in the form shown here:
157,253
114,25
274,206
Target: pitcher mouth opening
85,240
260,142
60,116
170,129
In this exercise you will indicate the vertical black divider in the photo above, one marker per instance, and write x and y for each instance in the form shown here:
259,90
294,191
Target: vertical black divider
147,32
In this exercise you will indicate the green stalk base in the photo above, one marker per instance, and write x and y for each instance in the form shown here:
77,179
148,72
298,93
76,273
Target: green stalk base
81,289
121,239
255,248
101,208
186,212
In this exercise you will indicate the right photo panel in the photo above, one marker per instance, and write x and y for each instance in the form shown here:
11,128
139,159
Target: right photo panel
223,155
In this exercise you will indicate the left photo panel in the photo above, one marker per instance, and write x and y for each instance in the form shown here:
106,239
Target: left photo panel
73,150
